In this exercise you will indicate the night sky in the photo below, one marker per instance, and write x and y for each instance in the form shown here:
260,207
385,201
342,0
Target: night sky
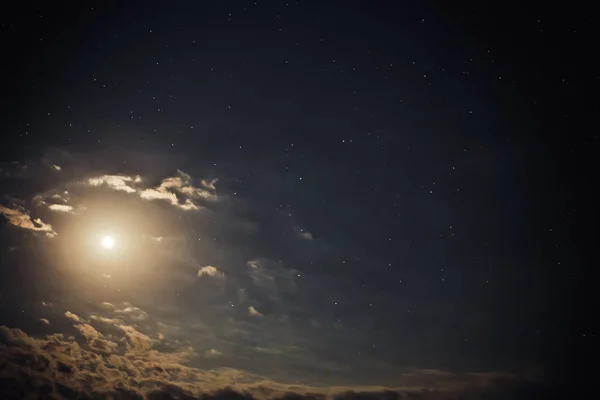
379,199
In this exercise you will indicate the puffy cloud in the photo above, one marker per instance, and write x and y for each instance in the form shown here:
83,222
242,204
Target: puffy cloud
209,270
88,331
73,317
181,184
24,220
107,305
137,341
52,367
44,321
254,313
164,194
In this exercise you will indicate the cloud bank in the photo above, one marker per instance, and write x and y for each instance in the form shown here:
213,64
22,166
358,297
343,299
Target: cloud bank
128,367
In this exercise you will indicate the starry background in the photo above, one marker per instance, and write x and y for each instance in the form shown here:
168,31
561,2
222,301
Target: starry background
406,183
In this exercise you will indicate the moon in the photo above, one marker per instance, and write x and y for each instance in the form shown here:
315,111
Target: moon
108,242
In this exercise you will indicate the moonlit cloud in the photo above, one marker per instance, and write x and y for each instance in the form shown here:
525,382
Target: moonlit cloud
105,320
209,270
177,190
116,182
44,321
61,208
135,313
25,221
182,185
209,184
108,305
137,341
306,235
73,316
253,312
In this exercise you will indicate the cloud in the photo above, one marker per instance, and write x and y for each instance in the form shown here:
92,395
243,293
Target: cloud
74,317
170,187
44,321
104,320
209,184
23,220
137,341
88,331
52,367
116,182
253,312
177,190
212,353
135,313
107,305
209,270
57,167
61,208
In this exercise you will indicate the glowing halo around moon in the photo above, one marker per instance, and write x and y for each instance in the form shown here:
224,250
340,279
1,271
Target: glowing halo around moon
107,242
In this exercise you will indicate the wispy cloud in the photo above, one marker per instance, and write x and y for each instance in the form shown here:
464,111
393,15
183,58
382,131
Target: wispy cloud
106,320
61,208
23,220
135,313
178,190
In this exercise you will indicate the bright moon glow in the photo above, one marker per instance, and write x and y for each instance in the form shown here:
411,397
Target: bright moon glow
108,242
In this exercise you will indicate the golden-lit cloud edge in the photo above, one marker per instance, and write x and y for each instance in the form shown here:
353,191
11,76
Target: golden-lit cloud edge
178,190
22,219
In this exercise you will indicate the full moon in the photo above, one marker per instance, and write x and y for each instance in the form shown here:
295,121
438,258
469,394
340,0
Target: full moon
108,242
